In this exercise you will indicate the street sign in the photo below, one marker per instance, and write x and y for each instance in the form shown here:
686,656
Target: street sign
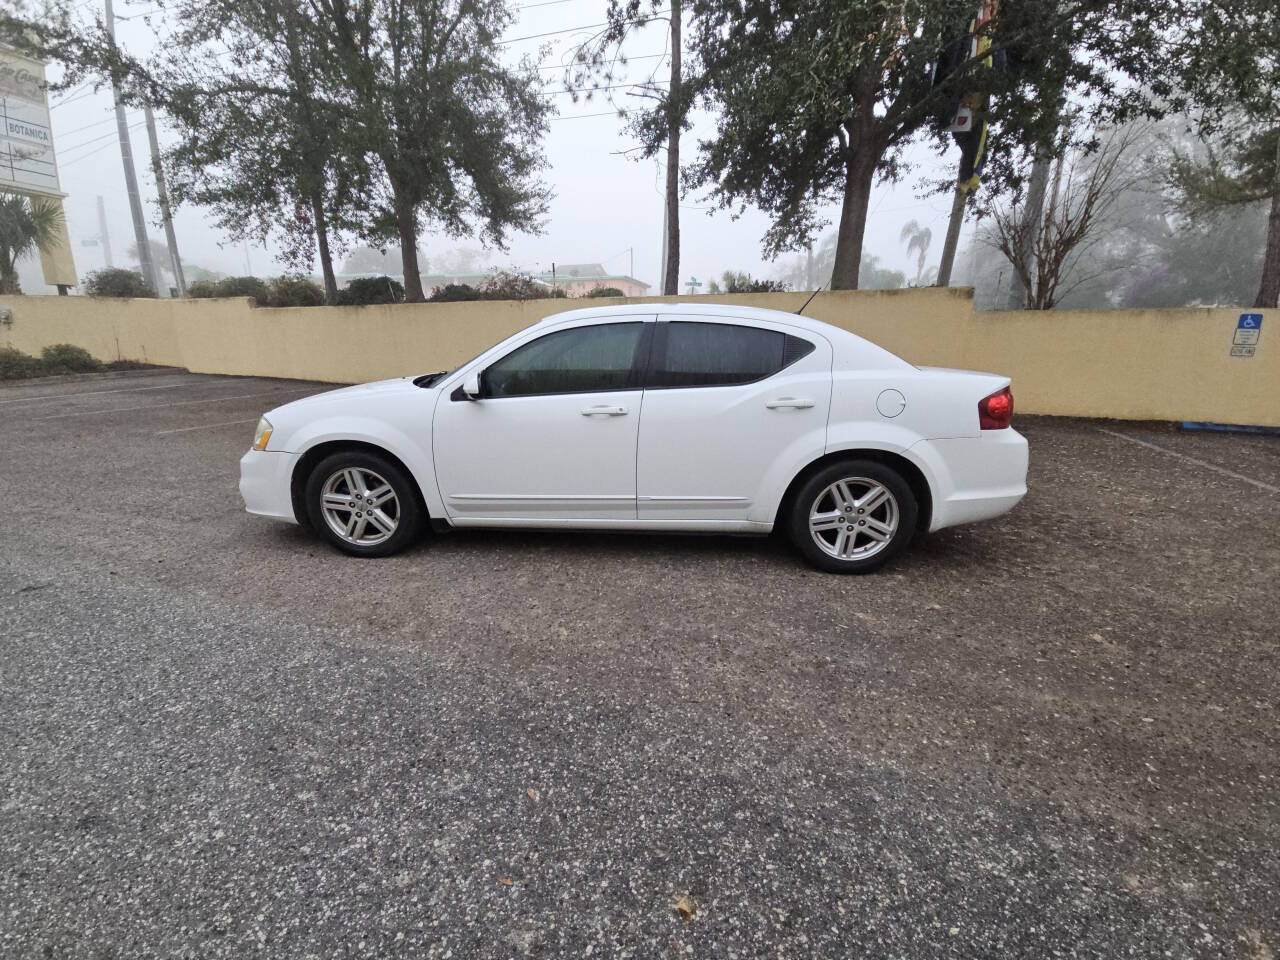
26,138
1248,331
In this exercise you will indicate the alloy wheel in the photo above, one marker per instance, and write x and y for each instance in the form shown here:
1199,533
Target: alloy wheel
360,506
853,518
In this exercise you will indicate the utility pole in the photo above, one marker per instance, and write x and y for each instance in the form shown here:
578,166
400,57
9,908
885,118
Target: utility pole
163,196
130,174
953,237
103,237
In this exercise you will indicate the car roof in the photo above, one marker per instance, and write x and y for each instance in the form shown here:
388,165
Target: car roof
704,310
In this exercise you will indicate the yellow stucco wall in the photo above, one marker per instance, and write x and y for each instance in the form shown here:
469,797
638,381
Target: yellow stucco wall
1127,364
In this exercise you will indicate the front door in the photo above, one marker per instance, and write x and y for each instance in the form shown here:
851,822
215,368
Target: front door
729,405
552,436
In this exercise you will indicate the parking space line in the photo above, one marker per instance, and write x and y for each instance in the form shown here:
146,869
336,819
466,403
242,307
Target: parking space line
1198,462
206,426
97,393
166,406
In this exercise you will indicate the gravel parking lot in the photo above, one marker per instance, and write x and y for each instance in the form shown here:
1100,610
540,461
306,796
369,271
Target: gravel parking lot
1051,735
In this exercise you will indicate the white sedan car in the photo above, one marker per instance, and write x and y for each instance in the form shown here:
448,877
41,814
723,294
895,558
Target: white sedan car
671,417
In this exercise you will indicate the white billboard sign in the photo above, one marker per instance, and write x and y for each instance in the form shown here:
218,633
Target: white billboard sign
26,137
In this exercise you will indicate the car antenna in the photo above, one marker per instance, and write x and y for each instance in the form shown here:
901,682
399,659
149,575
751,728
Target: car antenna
811,296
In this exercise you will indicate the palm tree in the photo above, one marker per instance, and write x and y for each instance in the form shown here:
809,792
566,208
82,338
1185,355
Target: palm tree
917,239
27,224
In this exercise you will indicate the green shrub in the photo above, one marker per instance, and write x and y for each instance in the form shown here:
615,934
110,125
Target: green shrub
295,292
16,365
363,291
203,289
604,292
455,293
115,282
743,282
66,358
251,287
501,285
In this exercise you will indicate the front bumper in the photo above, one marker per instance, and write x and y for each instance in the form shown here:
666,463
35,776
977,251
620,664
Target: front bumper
265,483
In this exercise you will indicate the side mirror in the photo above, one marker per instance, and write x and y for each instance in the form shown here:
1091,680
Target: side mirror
471,386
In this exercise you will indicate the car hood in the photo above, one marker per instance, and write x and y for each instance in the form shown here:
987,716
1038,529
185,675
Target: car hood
360,391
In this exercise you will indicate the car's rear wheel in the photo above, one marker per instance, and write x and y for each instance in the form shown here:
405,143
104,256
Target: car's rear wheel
853,516
363,503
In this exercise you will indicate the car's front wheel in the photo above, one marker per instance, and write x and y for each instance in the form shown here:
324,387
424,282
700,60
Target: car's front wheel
363,503
853,516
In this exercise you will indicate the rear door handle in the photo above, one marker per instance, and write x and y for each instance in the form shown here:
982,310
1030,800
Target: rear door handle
798,403
604,411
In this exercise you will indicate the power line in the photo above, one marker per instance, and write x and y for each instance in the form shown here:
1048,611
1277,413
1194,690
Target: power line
85,156
616,86
63,103
585,26
570,66
584,116
84,143
87,126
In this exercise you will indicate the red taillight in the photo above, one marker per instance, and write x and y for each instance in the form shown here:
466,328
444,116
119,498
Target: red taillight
996,411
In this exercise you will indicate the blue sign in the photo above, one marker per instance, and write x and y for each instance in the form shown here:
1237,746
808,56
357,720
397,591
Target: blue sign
1249,321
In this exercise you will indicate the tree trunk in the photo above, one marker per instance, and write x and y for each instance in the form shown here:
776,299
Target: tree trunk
9,281
671,278
322,244
860,171
1024,242
407,227
1269,289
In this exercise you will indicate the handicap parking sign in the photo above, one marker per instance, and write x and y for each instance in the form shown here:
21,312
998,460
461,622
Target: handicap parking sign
1248,329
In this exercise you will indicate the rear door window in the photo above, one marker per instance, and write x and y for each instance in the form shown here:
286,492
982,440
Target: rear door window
721,354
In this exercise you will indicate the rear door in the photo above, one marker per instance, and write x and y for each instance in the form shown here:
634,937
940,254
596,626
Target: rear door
727,402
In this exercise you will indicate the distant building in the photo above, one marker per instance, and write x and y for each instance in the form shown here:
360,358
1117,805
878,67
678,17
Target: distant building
577,279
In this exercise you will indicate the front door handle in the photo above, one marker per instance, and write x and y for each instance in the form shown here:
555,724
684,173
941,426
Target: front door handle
604,411
798,403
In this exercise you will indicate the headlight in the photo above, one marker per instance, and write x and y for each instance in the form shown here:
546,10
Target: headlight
262,434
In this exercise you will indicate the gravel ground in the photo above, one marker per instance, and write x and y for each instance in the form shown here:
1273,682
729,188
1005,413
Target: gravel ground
1051,735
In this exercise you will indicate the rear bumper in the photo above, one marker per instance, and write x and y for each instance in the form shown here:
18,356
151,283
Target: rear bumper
265,478
975,478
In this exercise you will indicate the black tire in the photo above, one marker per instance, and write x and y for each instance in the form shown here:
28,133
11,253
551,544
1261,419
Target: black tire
409,511
814,493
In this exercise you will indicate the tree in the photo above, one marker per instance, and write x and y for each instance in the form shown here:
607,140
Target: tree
27,225
917,239
261,142
1231,70
454,132
1084,188
847,86
1148,252
659,127
384,116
